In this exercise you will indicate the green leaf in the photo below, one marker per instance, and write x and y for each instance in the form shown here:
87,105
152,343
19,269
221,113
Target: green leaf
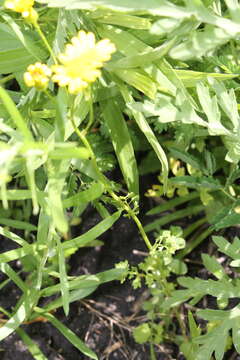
189,211
55,185
74,295
200,43
18,194
93,233
27,302
70,336
17,224
144,58
15,115
227,101
10,235
178,267
171,204
85,196
15,254
191,78
137,6
87,281
125,20
67,152
194,329
230,249
210,108
188,348
18,48
147,131
6,269
188,159
215,340
226,217
122,143
196,182
31,345
142,333
139,80
213,266
63,276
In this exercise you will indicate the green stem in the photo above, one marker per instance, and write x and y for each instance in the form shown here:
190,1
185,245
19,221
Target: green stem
45,41
104,180
7,78
152,352
228,195
91,114
181,323
191,228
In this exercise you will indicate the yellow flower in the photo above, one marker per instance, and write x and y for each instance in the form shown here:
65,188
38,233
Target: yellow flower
24,7
81,61
37,75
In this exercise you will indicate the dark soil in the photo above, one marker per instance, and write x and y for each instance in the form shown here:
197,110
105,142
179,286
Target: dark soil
104,320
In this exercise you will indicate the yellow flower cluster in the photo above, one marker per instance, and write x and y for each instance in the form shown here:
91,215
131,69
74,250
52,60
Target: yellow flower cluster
81,61
24,7
80,64
37,75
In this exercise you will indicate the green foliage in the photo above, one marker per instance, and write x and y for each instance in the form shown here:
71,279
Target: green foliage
167,101
223,288
154,271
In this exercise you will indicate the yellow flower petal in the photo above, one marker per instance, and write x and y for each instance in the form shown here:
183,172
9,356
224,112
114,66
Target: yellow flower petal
20,6
81,61
37,75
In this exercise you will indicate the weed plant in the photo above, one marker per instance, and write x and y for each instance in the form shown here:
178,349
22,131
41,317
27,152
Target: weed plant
87,86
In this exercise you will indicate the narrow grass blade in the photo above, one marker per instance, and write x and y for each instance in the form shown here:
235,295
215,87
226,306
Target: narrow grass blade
18,253
17,224
27,302
93,233
73,338
147,131
7,270
63,277
192,210
12,236
94,192
86,281
18,195
170,204
73,296
15,115
31,345
122,143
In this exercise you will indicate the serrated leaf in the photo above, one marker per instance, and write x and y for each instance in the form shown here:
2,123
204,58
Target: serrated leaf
196,182
213,266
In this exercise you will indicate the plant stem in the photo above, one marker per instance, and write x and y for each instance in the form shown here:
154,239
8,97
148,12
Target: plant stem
228,195
91,114
152,352
105,181
191,228
7,78
45,41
